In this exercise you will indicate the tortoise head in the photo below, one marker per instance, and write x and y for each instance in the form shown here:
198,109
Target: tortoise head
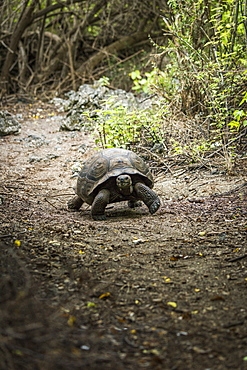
124,184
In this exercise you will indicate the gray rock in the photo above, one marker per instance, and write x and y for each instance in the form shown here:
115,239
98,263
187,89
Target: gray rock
93,102
52,156
35,141
34,159
8,124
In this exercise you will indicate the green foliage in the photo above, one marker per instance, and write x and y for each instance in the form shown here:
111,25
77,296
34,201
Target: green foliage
205,68
104,81
143,84
201,75
123,128
206,51
195,150
240,120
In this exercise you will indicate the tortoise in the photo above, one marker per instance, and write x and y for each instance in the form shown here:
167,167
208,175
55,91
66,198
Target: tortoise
114,175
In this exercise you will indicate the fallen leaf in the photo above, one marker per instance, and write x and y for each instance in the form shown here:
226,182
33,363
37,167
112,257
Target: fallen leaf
155,352
199,350
173,304
166,279
173,258
91,304
54,242
104,295
186,315
17,243
71,320
75,351
217,298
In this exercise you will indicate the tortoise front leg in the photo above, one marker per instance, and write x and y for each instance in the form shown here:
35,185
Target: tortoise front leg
75,203
99,204
148,196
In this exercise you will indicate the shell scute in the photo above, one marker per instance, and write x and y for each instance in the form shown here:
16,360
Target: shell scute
97,169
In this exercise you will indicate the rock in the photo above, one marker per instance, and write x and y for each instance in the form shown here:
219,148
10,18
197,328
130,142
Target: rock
8,124
35,141
52,156
158,148
34,159
74,122
92,102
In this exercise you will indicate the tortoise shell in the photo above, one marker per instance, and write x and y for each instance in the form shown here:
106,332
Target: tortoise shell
107,164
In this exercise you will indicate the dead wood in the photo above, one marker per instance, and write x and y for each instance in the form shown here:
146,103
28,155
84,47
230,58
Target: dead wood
125,42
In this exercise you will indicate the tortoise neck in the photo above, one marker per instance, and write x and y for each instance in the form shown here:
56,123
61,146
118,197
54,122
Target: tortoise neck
126,190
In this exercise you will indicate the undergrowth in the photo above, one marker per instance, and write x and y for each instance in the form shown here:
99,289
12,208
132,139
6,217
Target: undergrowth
202,78
121,127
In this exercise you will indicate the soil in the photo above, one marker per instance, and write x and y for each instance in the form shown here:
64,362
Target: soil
136,291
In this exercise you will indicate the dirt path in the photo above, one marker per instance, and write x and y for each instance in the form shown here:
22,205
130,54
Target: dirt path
166,291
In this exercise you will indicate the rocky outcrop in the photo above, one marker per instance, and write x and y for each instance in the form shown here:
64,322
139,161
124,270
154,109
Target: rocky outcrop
8,124
94,102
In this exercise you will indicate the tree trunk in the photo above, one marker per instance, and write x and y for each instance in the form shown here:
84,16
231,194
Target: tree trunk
25,20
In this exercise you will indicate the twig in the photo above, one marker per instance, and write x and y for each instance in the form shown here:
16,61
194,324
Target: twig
6,46
8,356
231,191
156,156
120,62
34,194
51,196
222,148
237,258
71,64
5,236
9,235
50,203
149,97
130,343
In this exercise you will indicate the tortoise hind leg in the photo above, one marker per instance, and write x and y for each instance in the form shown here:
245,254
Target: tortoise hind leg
148,196
75,203
99,204
134,203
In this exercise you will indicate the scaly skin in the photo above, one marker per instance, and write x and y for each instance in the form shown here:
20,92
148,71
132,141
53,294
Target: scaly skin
75,203
100,202
148,196
143,192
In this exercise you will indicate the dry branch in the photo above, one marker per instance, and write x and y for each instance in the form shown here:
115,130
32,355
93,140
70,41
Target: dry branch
125,42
